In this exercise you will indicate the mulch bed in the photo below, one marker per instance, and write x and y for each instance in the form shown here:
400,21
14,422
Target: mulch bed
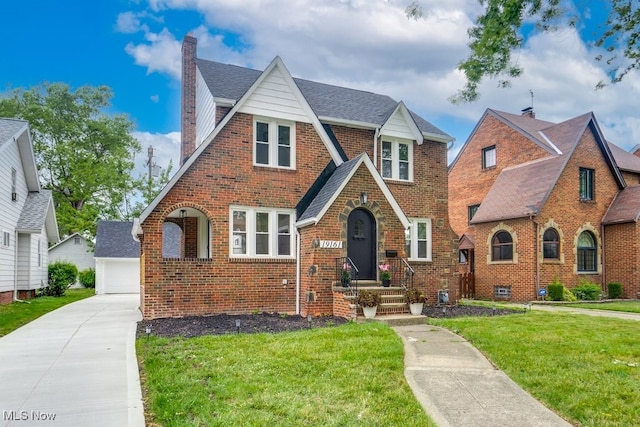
222,324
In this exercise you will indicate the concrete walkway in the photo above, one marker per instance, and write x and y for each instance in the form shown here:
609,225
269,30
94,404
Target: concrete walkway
75,366
458,386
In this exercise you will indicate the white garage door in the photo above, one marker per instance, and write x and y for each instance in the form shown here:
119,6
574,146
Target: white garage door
117,275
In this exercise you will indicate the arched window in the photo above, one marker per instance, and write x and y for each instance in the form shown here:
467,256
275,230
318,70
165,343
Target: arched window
551,244
587,252
502,246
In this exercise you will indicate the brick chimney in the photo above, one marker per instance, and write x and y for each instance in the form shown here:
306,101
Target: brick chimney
528,112
188,118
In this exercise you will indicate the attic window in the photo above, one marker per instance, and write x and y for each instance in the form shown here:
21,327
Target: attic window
397,160
6,239
14,194
586,184
76,240
489,157
274,144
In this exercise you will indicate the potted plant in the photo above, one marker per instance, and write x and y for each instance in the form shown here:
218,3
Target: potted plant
345,274
385,274
415,298
369,301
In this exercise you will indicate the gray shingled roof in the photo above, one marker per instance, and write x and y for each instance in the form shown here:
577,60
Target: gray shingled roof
231,82
625,207
329,189
114,240
8,128
34,211
624,159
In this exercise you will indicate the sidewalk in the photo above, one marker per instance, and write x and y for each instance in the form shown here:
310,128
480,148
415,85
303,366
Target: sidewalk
75,366
458,386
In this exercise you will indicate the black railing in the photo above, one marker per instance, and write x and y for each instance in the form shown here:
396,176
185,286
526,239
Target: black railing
347,273
401,272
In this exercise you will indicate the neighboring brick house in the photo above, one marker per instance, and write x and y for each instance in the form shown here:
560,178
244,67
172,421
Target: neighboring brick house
283,179
533,201
27,216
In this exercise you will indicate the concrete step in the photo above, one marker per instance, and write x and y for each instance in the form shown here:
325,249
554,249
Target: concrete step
395,319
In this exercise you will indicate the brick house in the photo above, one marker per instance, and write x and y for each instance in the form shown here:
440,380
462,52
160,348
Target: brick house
533,201
282,182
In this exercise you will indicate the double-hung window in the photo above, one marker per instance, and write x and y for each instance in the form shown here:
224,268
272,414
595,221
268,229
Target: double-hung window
397,160
274,143
418,240
587,253
586,184
261,232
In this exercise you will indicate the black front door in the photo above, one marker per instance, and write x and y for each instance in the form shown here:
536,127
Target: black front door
361,243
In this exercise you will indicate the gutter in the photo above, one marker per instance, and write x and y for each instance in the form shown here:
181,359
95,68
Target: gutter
15,269
376,135
297,271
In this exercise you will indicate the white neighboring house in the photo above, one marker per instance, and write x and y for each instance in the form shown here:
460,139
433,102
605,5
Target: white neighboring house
117,258
74,249
27,215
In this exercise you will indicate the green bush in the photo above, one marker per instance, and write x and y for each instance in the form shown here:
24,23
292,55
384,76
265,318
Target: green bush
615,290
555,291
587,291
87,278
61,275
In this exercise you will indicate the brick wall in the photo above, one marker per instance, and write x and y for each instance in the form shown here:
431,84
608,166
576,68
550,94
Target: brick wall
469,183
622,257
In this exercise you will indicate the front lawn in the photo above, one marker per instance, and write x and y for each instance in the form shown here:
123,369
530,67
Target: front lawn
628,306
17,314
584,368
338,376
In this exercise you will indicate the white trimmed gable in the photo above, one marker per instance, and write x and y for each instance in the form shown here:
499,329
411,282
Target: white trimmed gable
274,97
401,125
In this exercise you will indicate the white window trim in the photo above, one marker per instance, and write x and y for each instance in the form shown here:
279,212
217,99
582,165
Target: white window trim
413,233
273,142
273,232
395,158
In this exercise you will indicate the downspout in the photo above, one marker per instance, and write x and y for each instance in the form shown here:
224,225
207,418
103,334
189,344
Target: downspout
376,135
15,269
297,271
603,278
537,255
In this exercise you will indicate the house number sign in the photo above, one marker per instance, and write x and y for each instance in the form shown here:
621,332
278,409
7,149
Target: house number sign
330,244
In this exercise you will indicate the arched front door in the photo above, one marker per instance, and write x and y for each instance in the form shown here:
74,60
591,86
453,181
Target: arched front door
361,242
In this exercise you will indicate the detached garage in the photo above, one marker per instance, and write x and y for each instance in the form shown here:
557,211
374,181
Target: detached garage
117,258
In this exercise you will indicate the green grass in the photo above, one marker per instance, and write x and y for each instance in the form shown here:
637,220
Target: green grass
587,369
628,306
343,376
17,314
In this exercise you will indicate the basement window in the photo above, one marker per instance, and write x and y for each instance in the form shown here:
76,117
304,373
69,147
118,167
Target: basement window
502,292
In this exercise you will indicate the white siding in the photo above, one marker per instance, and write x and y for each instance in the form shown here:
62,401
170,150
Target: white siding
117,275
24,262
274,98
397,127
79,255
10,210
205,110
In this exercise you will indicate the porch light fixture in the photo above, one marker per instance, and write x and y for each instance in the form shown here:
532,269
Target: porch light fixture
363,197
238,326
183,213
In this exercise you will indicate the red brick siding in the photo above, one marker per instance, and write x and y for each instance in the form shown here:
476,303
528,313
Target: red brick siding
469,183
622,257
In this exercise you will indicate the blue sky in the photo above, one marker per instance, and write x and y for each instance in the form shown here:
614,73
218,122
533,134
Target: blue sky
134,47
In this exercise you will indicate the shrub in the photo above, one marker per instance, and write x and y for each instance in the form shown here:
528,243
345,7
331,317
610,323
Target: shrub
587,291
615,290
87,278
414,295
555,290
367,298
61,275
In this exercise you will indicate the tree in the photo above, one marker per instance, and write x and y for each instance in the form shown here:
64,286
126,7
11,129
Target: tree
84,155
496,35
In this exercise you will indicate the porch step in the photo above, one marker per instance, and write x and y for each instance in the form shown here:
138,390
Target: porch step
393,302
395,319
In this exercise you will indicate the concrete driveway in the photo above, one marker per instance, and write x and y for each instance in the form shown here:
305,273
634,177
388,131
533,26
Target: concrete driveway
75,366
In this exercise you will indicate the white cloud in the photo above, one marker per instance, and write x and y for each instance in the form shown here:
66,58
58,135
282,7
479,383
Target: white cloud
371,45
155,98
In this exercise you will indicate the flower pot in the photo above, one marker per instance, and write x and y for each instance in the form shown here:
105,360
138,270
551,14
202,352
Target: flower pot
416,308
370,312
386,282
345,282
